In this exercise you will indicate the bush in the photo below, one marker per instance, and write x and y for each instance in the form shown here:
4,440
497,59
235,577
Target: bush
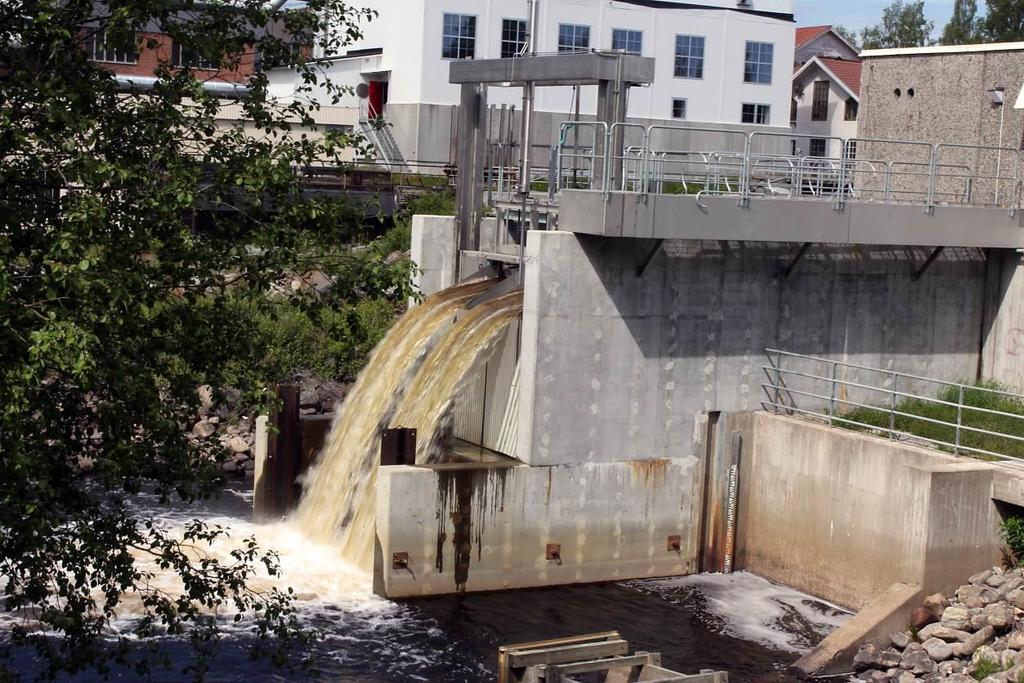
1011,530
911,424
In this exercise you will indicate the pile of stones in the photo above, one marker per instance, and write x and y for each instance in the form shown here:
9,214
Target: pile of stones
230,437
977,634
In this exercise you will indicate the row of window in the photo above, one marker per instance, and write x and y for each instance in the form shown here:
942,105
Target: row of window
458,41
819,104
819,148
102,50
759,114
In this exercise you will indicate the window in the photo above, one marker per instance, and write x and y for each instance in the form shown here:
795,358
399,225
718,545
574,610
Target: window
573,38
689,57
458,40
631,42
106,51
678,108
819,147
182,56
819,106
852,107
851,149
758,65
756,113
793,109
513,37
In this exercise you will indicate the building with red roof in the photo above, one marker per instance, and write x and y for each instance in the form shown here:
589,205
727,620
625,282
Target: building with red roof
826,92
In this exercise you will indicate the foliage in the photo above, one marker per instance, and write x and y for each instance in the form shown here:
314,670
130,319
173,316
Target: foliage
919,414
140,236
849,34
964,27
903,25
1004,21
1011,530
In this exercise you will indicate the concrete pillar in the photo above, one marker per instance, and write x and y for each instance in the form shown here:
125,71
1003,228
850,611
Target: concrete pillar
611,109
1003,333
471,156
433,252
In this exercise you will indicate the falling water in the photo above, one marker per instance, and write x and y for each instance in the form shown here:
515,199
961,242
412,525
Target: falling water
409,382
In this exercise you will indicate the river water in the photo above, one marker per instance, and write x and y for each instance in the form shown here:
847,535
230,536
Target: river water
739,623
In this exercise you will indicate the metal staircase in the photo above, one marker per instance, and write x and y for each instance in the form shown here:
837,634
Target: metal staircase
378,132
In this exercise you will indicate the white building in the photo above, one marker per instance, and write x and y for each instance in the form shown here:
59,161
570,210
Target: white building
718,61
826,93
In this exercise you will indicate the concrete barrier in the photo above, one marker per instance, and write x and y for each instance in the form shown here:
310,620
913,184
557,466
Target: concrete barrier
448,529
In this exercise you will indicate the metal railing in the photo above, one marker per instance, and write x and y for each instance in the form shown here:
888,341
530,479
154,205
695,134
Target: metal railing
949,415
724,162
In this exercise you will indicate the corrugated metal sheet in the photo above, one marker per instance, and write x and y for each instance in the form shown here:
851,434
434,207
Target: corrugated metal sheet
481,412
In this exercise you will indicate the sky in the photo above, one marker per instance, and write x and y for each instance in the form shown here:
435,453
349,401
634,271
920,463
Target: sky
856,14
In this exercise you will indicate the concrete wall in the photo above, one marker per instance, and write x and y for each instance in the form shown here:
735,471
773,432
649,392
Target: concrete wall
1004,343
843,515
634,362
470,530
433,252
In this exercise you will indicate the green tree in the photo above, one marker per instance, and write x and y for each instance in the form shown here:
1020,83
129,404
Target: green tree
849,34
964,26
140,235
903,25
1004,21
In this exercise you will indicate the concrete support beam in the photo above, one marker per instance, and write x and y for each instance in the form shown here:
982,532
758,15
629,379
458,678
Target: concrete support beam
433,252
472,155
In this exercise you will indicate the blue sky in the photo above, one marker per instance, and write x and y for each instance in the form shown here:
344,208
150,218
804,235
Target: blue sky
856,14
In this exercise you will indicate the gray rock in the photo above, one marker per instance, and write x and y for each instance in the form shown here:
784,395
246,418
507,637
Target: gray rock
948,668
213,419
249,465
1011,584
937,603
956,618
912,646
980,577
971,645
1016,598
238,444
986,653
998,615
901,639
889,659
204,429
918,662
906,677
866,658
997,580
1008,658
230,466
950,635
959,678
938,650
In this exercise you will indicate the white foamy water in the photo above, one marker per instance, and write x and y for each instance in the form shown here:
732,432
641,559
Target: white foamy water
751,608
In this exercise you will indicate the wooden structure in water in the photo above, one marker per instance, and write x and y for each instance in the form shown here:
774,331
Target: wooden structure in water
600,658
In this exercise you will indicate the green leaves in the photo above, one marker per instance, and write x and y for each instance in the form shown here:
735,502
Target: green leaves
148,241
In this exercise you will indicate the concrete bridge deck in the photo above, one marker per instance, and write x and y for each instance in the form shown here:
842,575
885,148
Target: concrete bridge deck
625,214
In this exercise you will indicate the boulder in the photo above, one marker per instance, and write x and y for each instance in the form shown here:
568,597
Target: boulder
906,677
1011,584
239,444
938,650
1008,658
230,466
921,617
980,577
918,662
956,618
971,645
1016,598
204,429
866,658
950,667
984,653
937,603
950,635
901,639
998,615
889,659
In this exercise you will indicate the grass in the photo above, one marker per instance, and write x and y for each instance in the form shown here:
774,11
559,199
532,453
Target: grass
986,667
915,409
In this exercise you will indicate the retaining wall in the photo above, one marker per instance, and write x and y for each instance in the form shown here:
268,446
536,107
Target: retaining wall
467,529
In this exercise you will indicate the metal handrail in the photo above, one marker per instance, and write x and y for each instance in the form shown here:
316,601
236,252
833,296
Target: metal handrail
782,397
833,178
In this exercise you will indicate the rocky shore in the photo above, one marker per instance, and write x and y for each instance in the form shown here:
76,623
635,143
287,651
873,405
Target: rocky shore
976,634
222,426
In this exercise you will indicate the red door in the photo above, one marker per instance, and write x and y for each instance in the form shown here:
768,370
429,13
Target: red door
377,98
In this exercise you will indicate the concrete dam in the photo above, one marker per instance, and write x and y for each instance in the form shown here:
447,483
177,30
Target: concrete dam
637,367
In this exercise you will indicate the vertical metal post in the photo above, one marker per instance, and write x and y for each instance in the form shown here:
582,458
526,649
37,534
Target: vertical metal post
832,403
778,381
959,418
892,406
933,168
